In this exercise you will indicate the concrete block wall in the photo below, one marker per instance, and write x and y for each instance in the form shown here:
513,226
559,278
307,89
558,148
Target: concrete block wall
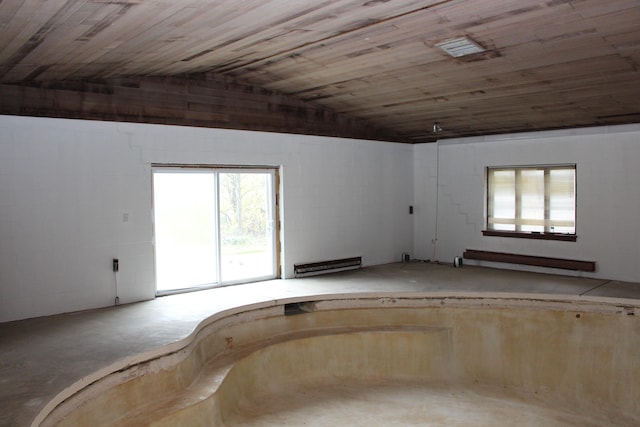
74,194
608,196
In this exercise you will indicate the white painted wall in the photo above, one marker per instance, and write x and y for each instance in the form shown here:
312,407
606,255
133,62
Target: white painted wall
65,186
426,200
608,196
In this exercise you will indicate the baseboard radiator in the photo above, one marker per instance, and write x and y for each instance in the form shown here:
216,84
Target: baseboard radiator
538,261
331,266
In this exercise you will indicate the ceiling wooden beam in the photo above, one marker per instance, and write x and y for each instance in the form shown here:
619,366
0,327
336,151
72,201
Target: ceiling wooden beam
201,100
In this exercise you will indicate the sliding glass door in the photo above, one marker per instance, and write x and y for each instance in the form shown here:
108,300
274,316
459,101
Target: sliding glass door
213,226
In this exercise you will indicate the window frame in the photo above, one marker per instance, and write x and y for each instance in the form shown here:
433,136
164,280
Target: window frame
540,235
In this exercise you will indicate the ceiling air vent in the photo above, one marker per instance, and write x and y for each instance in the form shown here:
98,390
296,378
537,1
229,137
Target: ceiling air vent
460,47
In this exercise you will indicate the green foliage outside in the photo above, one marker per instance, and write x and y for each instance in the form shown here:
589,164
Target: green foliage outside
243,212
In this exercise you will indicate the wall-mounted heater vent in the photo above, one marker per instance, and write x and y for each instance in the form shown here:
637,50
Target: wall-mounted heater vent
332,266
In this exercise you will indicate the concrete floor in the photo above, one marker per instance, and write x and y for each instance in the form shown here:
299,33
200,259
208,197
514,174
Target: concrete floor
41,357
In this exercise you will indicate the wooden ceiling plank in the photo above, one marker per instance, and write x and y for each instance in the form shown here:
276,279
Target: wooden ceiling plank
554,103
548,99
62,38
218,31
106,44
8,11
598,8
377,61
355,27
30,16
318,60
608,61
566,54
128,100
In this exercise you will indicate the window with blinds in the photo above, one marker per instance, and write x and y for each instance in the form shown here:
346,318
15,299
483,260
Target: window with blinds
532,199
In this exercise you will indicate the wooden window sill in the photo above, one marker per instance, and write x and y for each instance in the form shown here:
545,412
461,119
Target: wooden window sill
531,235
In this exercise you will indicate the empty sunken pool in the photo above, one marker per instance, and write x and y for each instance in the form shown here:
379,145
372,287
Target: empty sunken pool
378,360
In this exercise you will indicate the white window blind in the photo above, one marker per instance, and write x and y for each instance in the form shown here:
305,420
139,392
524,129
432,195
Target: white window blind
532,199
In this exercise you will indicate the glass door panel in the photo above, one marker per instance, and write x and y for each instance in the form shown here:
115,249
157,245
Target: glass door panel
185,229
213,226
246,225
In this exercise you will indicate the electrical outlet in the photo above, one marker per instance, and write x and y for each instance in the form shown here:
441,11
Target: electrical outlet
116,265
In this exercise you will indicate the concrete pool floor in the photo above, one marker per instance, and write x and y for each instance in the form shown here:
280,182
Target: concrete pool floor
40,357
406,404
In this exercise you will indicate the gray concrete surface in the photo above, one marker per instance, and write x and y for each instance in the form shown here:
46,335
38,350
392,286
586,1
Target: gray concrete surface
40,357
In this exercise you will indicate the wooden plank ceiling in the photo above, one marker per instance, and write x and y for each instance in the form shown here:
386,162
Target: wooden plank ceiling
367,68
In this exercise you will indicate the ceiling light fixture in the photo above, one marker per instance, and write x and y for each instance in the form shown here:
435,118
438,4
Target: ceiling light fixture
460,47
436,127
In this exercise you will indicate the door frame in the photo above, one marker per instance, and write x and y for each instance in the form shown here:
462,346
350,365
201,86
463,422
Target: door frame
222,168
